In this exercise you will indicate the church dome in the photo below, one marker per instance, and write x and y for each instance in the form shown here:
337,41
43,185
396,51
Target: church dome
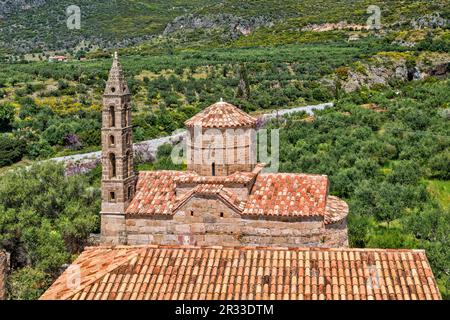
221,115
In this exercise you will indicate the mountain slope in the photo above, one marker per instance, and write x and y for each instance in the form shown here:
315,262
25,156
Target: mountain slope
40,25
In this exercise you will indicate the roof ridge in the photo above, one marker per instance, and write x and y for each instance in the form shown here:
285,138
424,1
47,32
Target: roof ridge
228,194
220,195
243,247
184,198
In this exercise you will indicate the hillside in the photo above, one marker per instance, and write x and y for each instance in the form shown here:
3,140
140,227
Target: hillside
40,25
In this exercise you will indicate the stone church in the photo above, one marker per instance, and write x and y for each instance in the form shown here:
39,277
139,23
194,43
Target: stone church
225,229
224,198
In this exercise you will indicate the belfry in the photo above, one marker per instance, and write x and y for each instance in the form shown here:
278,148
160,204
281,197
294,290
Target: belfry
118,177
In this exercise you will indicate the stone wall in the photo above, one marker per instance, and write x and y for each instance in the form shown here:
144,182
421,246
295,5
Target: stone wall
113,230
194,224
3,272
231,150
336,234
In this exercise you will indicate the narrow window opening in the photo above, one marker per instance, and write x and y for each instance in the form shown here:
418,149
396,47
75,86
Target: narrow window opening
111,140
130,192
125,165
221,214
112,117
112,196
112,163
213,169
192,213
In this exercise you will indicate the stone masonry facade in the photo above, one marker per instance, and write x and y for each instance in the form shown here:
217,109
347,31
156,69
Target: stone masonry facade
209,222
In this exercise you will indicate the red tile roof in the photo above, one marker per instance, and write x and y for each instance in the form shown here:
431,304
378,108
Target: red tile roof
336,210
194,178
205,273
155,193
221,115
288,194
274,194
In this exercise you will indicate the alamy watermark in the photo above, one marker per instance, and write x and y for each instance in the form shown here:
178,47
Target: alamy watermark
373,280
374,20
73,280
73,14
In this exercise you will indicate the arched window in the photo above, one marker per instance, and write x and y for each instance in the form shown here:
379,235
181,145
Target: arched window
112,116
112,165
213,169
111,140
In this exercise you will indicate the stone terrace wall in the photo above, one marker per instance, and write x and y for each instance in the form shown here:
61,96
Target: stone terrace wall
195,224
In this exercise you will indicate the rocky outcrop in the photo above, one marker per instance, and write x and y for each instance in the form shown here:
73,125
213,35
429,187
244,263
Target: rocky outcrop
12,6
433,20
234,24
342,25
390,66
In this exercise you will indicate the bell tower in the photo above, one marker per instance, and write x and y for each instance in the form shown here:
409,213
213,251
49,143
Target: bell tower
118,176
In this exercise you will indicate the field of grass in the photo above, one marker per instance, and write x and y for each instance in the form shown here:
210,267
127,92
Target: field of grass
441,192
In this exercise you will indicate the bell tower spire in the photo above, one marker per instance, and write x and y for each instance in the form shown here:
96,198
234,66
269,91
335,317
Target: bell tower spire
118,177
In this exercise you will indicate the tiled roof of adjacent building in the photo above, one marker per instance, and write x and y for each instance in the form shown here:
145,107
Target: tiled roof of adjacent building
155,193
221,115
273,194
288,194
204,273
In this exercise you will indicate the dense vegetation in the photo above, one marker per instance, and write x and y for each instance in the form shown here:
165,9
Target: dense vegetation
45,219
387,152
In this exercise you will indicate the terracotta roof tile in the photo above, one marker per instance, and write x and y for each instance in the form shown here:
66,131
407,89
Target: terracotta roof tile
155,193
194,178
287,194
274,194
221,115
335,210
187,272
